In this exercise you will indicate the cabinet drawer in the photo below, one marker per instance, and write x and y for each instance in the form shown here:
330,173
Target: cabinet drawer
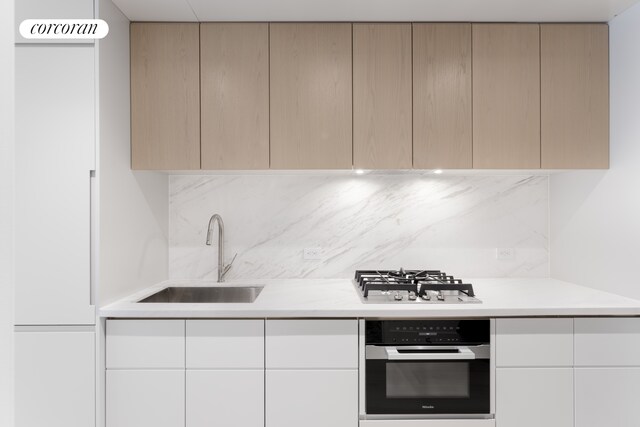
312,398
607,342
607,397
230,344
148,398
534,342
308,344
133,344
534,397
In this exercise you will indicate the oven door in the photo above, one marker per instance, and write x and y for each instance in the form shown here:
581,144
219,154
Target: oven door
428,380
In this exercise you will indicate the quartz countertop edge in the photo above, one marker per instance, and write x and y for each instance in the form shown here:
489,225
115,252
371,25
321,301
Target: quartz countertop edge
339,298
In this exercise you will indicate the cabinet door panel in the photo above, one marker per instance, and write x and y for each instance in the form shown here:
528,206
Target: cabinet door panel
534,342
225,398
607,397
442,121
54,154
311,344
55,379
506,96
312,398
234,76
225,344
382,96
165,96
146,398
534,397
311,96
575,96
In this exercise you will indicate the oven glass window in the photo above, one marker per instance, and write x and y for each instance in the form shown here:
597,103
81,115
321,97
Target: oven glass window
418,380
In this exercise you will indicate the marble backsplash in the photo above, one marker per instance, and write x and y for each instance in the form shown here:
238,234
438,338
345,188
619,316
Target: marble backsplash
452,223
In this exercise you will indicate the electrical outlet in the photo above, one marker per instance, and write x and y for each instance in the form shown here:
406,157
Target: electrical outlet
505,254
312,253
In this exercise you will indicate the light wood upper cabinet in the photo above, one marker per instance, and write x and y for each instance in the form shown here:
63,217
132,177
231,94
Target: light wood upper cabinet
506,96
442,133
311,96
165,96
575,96
234,85
382,96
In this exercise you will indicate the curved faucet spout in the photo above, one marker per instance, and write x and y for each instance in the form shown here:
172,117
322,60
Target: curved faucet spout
222,269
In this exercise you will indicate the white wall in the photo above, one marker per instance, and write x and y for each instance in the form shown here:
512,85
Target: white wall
133,206
446,222
595,215
6,209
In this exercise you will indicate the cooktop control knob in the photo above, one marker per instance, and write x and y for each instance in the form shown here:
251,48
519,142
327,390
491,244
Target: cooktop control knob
397,297
412,296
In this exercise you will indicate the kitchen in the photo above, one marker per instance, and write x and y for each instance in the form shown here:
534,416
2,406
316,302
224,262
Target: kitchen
331,184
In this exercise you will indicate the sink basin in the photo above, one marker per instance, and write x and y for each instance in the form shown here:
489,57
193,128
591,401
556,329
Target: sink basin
206,294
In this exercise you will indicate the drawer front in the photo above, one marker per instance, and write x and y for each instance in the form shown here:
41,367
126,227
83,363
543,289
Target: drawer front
225,344
427,423
534,397
607,397
309,344
534,342
607,342
139,344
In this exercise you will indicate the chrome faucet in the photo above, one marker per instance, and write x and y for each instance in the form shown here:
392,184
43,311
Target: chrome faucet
222,269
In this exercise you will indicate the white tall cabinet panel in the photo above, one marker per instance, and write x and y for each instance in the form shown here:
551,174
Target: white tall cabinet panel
145,398
54,150
607,397
229,398
312,398
55,379
534,397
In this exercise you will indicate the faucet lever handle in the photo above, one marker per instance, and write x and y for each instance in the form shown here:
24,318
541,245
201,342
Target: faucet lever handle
228,266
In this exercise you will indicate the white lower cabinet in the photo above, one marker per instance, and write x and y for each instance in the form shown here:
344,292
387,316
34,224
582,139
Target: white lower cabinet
312,398
428,423
145,398
55,379
607,397
534,397
229,398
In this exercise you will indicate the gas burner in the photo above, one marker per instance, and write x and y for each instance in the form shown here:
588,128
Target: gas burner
413,286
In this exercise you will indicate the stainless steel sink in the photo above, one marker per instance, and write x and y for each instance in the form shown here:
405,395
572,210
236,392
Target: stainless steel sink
206,294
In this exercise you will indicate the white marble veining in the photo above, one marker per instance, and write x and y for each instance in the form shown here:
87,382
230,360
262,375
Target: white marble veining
299,298
452,223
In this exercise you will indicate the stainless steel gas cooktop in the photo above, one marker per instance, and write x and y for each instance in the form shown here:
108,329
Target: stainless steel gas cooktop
413,287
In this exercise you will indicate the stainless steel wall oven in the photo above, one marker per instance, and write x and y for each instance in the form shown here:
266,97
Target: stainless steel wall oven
427,368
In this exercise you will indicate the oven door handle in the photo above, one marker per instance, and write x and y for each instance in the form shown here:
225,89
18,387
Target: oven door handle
430,353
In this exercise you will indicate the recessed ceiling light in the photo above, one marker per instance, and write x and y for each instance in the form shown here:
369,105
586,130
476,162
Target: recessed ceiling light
437,171
359,171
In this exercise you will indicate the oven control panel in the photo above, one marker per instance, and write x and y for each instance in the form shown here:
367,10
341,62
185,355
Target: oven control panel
420,332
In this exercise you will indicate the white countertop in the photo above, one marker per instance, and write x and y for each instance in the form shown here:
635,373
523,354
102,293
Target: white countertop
339,298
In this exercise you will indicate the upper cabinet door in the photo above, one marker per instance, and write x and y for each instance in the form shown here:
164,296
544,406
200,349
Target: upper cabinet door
442,117
165,96
382,96
506,96
575,96
311,96
234,81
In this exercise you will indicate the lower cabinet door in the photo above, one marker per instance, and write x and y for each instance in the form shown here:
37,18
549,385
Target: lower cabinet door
145,398
229,398
607,397
534,397
55,379
312,398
